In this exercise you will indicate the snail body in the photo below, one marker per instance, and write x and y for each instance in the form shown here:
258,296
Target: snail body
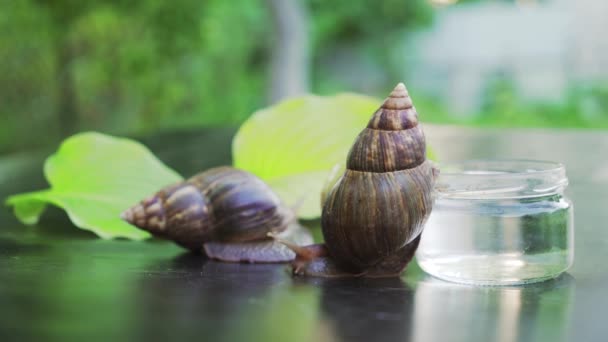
224,212
373,216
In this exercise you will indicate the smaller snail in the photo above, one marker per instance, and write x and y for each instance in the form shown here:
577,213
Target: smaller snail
224,212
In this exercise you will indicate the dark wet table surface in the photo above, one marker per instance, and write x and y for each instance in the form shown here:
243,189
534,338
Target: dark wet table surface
61,283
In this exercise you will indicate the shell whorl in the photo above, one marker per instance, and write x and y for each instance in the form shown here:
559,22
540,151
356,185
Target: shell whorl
178,212
392,140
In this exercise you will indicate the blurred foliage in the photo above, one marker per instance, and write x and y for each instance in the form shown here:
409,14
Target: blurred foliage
127,67
583,107
137,67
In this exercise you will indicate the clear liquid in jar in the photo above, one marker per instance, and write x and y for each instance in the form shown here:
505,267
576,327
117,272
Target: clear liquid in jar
497,242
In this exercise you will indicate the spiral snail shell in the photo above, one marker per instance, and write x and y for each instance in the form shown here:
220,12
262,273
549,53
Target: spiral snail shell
226,213
373,216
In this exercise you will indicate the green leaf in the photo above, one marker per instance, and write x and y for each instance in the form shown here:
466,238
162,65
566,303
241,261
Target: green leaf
294,144
29,206
94,177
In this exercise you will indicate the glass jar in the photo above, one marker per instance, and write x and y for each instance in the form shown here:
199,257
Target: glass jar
499,223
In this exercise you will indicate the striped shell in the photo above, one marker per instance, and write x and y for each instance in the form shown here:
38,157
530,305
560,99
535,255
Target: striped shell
226,212
380,204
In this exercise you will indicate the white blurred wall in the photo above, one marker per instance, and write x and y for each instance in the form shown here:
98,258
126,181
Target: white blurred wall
541,48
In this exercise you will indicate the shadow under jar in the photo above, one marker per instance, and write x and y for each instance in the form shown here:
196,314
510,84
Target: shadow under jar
501,222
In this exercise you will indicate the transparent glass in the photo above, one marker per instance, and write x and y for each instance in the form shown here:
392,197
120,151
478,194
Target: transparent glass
503,222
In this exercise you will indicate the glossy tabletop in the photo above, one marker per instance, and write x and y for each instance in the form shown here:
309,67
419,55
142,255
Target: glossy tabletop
61,283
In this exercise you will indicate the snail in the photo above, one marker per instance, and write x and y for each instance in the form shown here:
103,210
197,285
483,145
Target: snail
374,214
224,212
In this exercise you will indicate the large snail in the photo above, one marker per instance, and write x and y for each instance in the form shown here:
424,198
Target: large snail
224,212
373,216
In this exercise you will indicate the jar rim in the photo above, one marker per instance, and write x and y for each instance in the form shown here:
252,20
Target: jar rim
500,179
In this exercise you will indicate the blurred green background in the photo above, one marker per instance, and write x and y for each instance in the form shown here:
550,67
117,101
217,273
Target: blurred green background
141,67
